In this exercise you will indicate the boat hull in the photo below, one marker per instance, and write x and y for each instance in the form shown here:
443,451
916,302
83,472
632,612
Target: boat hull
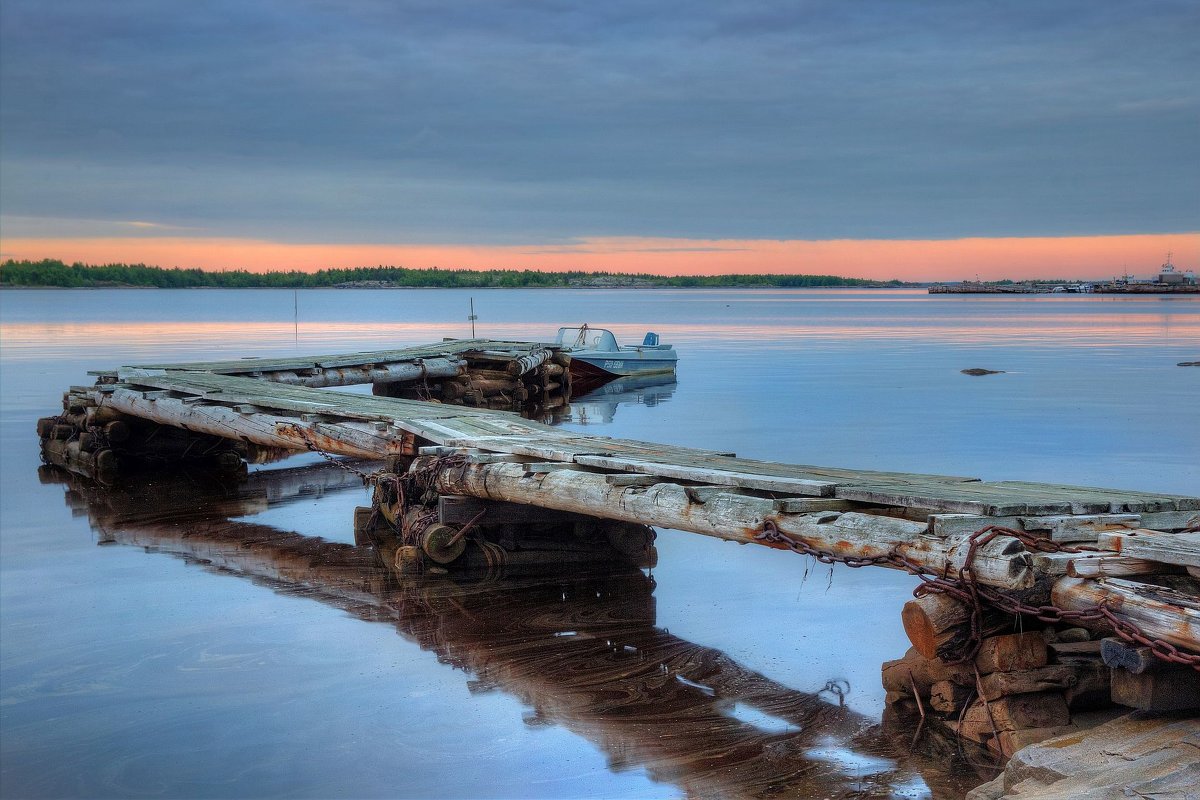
620,364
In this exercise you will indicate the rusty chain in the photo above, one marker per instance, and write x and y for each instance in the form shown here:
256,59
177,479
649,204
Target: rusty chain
968,590
368,479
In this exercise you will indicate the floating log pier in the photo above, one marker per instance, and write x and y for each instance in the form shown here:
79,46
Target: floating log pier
1021,581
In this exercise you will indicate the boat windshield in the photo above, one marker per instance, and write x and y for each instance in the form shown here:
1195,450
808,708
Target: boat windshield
585,338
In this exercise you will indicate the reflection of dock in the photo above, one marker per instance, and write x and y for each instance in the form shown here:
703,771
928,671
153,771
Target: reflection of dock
583,652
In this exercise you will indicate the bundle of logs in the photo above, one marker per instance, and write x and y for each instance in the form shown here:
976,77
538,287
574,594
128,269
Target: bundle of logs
1023,687
538,381
97,442
430,534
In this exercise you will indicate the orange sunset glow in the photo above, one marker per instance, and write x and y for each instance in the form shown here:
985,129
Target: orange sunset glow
915,260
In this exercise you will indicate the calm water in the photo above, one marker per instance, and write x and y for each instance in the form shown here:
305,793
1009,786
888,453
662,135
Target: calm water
149,650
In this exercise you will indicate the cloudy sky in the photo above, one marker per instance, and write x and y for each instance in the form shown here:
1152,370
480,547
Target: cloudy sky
874,137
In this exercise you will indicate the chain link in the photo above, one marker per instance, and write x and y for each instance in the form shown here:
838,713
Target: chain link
368,478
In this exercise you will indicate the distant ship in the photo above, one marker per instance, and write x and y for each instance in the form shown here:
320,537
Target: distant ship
1168,275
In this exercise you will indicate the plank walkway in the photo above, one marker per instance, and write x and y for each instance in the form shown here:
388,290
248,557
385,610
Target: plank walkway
448,348
507,433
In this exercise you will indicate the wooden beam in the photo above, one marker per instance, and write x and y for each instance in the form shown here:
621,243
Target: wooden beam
1100,566
1167,548
1003,562
1160,612
359,439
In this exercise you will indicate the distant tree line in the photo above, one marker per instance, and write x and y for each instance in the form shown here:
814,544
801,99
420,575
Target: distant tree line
52,272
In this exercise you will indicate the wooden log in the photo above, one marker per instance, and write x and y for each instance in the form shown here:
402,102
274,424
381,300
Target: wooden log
321,377
935,623
1081,528
117,431
107,461
1115,566
1067,635
1036,710
1167,690
1120,654
102,415
1092,688
531,361
901,674
358,439
458,510
1041,679
407,560
1074,652
1168,548
490,387
948,697
455,389
1011,652
1003,562
1159,612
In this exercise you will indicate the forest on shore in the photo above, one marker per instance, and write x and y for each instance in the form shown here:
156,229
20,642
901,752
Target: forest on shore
55,273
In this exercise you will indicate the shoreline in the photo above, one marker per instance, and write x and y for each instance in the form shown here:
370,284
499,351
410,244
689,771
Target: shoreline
461,288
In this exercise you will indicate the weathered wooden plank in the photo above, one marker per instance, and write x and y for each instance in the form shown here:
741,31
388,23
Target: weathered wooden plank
337,360
948,499
1115,567
807,505
1168,548
1125,498
964,524
1079,528
748,480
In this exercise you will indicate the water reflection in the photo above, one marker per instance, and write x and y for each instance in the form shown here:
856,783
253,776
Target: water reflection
593,405
580,651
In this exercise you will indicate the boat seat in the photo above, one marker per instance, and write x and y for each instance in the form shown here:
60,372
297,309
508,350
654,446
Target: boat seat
651,340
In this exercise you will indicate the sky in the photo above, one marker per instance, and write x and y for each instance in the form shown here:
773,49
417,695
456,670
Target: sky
917,140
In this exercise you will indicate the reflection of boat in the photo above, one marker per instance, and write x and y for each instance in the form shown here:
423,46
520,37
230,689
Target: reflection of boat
599,404
581,652
594,351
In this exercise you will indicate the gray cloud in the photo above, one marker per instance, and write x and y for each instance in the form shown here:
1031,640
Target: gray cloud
544,121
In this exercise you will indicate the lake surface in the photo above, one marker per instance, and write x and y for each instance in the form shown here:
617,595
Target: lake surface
148,650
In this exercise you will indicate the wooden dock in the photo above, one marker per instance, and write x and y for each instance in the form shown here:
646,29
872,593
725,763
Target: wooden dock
470,484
